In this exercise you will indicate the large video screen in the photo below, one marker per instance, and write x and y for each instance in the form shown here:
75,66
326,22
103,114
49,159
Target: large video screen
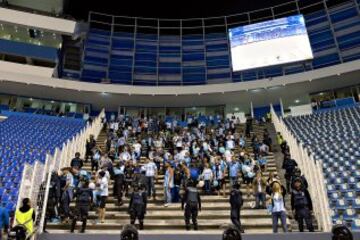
270,43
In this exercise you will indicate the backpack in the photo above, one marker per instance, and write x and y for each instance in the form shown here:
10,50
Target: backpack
138,198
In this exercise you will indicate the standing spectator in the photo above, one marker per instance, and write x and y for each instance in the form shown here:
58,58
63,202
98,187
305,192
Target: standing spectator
248,173
76,162
4,220
234,167
151,174
302,205
219,171
207,175
119,180
90,145
277,205
67,193
104,192
168,183
259,187
178,178
236,202
95,161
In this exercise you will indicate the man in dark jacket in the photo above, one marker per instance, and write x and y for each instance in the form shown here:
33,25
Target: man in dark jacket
193,204
137,206
84,198
76,162
236,202
302,205
289,166
90,145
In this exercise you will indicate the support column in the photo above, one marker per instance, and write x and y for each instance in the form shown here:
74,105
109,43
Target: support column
252,110
281,107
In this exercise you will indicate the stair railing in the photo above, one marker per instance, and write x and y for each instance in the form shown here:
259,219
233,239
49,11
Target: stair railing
36,178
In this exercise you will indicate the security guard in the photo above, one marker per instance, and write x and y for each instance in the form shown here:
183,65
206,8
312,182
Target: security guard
236,202
84,197
137,206
301,205
25,216
193,204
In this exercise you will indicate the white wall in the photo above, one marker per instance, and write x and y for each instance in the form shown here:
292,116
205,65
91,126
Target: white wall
21,73
300,110
53,6
50,24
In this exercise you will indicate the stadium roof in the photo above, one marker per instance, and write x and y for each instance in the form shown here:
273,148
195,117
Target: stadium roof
167,9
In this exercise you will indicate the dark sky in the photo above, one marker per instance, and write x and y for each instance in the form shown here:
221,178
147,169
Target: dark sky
166,9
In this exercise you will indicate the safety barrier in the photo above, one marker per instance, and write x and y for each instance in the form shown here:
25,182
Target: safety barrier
36,178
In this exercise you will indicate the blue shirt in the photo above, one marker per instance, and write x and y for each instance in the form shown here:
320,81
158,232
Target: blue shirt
234,169
4,218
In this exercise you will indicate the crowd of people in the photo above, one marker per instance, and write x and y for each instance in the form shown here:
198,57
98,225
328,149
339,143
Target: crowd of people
196,160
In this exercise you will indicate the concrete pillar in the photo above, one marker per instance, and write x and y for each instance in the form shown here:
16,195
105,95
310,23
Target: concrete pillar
281,107
252,109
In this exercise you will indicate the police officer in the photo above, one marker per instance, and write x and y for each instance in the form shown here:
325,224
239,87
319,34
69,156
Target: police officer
119,180
137,205
236,202
301,203
84,198
193,204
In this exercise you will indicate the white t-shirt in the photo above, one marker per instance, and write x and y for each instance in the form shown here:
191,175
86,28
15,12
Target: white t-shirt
137,147
104,186
150,169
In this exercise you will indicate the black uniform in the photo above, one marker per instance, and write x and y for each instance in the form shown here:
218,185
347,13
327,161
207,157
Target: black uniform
129,172
289,165
84,198
301,203
236,202
137,207
119,182
193,204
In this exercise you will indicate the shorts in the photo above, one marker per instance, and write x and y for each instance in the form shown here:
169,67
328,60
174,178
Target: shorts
248,180
102,201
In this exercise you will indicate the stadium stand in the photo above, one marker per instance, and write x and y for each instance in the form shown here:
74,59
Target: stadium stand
120,50
333,138
27,138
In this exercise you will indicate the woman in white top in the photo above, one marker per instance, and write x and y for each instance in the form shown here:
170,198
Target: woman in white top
277,206
103,192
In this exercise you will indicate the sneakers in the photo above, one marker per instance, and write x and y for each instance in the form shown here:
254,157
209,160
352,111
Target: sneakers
166,205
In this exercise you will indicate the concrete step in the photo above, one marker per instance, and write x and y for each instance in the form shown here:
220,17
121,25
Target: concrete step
179,214
174,224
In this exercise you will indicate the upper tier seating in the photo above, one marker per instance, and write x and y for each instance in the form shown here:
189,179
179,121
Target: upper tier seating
334,138
26,138
138,58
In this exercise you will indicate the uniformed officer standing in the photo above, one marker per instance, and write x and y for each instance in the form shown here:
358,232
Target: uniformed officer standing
119,182
137,206
236,202
193,204
84,198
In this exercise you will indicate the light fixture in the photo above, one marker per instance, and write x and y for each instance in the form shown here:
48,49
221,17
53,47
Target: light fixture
236,109
31,99
52,101
297,100
193,108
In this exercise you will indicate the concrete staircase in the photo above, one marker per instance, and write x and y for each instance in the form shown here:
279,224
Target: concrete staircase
161,220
